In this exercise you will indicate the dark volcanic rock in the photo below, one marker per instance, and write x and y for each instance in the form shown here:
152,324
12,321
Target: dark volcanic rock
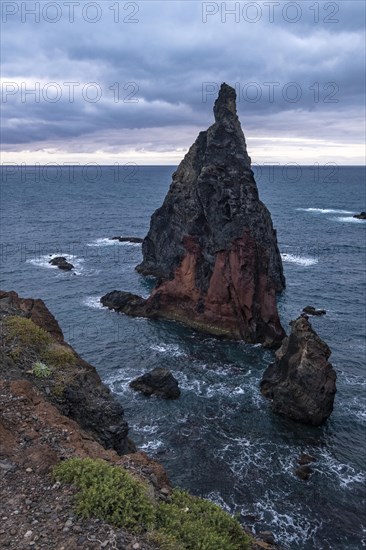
304,472
267,536
125,302
361,216
61,263
212,243
301,382
128,239
159,382
310,310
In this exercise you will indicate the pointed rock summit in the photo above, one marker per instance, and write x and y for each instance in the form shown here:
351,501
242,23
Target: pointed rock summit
211,244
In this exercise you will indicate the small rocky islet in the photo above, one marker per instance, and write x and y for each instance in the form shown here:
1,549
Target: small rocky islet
361,216
61,263
301,383
159,382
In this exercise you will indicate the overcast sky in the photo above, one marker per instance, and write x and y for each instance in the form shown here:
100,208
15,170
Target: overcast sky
136,81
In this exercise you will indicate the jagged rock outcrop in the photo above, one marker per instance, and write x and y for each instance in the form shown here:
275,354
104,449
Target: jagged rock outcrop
159,382
212,245
301,382
75,387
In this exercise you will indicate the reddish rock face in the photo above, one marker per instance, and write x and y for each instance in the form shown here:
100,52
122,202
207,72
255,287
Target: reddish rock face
240,301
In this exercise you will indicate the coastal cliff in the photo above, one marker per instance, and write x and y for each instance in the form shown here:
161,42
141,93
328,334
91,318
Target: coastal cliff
74,387
65,478
212,244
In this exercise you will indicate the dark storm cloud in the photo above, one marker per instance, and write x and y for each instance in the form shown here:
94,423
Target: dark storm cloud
302,79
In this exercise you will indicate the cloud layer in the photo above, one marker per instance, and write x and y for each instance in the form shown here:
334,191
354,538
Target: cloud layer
140,91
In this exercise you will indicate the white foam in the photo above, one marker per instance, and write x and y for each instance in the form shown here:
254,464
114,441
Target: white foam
238,391
355,407
345,474
152,446
44,261
292,528
194,385
348,219
148,429
93,302
299,260
106,241
325,210
353,379
171,349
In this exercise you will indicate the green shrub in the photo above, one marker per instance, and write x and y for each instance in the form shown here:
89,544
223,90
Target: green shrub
165,541
108,492
40,370
199,524
58,356
185,523
25,333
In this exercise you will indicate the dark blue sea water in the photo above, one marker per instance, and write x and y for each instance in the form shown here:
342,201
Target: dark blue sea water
220,438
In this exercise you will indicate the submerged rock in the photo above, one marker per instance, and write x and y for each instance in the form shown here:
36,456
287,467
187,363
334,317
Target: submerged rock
304,472
361,216
61,263
301,382
310,310
127,239
212,244
159,382
305,459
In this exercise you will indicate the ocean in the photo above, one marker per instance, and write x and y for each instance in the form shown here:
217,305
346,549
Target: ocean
220,439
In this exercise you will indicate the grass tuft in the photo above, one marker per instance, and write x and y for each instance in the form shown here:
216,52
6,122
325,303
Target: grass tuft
25,333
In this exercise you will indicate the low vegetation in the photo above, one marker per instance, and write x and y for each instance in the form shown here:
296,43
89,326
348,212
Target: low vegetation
184,523
30,345
108,493
25,336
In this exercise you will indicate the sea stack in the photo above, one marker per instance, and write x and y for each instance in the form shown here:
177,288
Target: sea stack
212,244
301,383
